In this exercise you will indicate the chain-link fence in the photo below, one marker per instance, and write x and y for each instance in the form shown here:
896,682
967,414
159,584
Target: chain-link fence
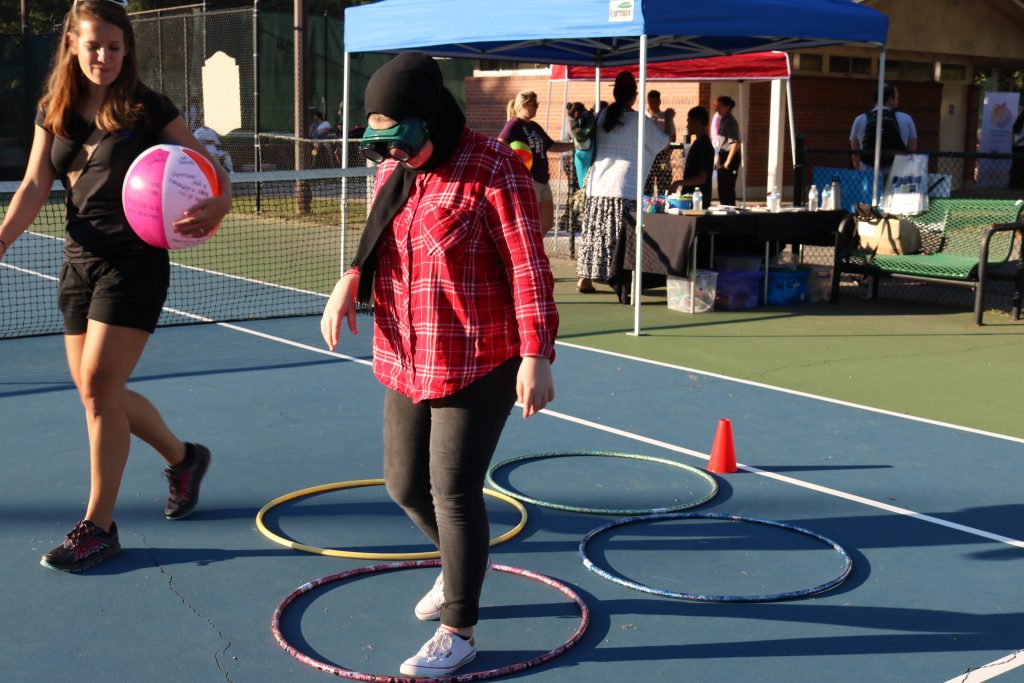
285,151
175,44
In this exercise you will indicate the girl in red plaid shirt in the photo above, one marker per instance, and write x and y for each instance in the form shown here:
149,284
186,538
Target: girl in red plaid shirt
464,325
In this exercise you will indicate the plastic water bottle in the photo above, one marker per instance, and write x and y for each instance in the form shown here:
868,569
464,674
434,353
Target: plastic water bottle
812,199
826,198
837,202
776,205
698,199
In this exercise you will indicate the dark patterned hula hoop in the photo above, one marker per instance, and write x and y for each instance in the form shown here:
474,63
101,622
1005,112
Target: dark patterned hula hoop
704,476
775,597
275,626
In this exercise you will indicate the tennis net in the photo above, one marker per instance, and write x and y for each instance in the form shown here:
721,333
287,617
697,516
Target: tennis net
278,253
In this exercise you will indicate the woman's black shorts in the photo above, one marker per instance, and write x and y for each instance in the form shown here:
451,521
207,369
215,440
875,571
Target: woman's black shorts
128,292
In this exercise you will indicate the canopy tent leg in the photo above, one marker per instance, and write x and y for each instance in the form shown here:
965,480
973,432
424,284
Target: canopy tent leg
744,94
789,113
547,114
878,127
565,103
638,274
776,154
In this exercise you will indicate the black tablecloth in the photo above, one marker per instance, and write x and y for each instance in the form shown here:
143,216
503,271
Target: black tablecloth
667,238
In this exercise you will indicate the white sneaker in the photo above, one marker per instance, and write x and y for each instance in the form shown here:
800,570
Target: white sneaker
443,654
429,606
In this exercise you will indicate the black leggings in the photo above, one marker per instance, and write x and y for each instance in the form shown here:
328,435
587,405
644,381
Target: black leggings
436,455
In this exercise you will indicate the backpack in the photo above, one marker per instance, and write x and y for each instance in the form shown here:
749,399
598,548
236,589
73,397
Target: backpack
892,141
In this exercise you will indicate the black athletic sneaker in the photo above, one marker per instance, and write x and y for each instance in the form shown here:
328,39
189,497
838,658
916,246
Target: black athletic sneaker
84,546
185,478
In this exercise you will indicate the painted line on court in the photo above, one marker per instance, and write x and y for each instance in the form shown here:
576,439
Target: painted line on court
991,670
794,392
241,278
298,345
270,337
29,272
795,482
688,451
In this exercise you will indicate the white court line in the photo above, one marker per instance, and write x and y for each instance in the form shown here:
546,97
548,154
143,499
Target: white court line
298,345
229,276
29,272
207,271
794,392
991,670
687,451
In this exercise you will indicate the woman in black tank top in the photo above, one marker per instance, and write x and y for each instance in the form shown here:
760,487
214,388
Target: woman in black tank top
94,119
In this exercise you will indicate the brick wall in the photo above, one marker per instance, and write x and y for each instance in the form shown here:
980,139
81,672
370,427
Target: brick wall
824,109
487,97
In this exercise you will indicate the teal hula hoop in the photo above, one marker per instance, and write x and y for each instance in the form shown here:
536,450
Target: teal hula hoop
707,479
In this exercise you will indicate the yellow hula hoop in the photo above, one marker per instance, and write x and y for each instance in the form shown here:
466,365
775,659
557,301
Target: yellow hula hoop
355,555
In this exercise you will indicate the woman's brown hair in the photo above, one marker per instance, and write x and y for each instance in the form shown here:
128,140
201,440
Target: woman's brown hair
67,84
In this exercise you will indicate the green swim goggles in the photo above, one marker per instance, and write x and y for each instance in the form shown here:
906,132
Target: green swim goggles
401,142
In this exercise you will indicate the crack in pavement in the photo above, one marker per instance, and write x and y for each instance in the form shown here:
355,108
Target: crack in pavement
217,657
999,662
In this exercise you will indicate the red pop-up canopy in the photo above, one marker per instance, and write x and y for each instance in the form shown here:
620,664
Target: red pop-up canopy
754,66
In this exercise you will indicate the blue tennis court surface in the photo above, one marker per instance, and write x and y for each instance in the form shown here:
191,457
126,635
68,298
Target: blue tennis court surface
929,514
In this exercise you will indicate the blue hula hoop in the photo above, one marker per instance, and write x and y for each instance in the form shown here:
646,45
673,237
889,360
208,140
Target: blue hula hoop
696,597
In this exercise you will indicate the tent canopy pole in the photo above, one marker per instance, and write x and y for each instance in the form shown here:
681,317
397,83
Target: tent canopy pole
878,127
640,181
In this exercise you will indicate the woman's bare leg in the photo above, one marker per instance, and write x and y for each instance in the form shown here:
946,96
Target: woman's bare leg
101,361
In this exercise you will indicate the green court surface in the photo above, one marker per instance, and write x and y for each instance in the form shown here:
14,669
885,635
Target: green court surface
927,361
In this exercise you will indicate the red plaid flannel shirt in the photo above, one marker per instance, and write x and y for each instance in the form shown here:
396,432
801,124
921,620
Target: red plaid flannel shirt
462,282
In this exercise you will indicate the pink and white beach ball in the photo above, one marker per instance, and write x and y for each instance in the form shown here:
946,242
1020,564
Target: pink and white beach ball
160,186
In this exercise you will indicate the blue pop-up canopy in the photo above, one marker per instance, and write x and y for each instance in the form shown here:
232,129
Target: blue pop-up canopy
612,33
607,32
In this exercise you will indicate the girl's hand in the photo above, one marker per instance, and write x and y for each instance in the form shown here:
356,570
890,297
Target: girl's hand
534,386
341,304
203,216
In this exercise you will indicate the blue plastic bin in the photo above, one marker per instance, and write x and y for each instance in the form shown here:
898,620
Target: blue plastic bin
787,287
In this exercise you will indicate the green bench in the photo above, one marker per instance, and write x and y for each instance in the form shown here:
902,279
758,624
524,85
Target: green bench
964,242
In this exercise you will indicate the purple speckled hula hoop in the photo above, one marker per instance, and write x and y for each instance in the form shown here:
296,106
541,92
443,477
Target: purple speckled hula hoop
275,626
697,597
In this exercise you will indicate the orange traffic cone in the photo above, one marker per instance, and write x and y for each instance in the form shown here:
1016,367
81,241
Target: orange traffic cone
723,455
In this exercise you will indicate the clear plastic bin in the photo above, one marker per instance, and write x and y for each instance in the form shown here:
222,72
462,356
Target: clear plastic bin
703,292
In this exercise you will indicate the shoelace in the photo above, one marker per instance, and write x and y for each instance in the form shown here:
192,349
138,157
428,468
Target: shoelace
439,645
74,536
175,484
